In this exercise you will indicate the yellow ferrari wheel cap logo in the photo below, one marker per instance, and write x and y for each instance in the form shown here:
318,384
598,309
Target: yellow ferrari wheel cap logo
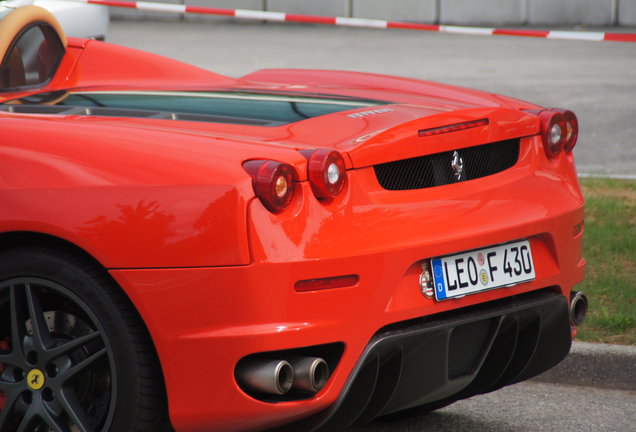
35,379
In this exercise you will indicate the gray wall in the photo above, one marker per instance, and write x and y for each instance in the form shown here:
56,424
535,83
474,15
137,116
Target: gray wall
459,12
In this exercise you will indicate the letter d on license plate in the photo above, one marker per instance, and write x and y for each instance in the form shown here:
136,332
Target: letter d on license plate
483,269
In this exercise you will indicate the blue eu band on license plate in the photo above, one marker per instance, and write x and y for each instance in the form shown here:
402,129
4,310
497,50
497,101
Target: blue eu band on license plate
483,269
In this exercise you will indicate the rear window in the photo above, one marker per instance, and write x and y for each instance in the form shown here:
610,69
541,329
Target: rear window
257,109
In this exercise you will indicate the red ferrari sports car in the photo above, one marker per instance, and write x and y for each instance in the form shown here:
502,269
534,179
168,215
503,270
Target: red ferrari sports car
291,250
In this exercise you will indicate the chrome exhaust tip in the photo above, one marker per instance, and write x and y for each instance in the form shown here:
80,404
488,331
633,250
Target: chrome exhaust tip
265,376
310,373
578,308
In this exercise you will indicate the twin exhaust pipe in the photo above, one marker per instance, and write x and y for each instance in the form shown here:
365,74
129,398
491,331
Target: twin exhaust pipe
277,377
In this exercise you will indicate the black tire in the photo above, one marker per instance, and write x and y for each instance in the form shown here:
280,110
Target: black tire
74,354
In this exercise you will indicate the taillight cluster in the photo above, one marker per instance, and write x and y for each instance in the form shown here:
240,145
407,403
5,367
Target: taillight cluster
275,182
559,130
326,173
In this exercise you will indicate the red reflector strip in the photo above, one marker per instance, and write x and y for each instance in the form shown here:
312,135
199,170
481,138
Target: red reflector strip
326,283
453,128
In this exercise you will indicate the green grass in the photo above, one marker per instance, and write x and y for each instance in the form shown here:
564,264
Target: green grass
610,251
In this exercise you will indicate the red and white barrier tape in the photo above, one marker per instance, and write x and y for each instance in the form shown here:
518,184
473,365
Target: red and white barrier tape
362,22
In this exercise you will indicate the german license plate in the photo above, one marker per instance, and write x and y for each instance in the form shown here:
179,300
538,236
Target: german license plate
482,270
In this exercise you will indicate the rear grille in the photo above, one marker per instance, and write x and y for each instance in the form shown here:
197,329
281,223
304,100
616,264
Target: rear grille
436,169
466,345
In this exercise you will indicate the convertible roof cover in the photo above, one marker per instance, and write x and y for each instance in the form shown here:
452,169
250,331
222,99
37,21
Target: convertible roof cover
249,108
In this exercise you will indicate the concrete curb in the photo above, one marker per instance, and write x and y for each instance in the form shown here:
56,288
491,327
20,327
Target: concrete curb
596,365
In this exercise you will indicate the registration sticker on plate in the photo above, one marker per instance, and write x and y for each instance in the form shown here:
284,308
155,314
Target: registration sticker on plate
482,269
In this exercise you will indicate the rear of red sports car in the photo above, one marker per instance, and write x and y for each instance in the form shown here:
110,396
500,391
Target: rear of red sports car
303,250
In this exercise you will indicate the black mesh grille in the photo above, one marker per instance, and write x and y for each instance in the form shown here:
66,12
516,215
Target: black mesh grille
465,348
436,169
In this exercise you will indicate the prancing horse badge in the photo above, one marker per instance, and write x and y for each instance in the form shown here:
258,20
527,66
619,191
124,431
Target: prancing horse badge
457,164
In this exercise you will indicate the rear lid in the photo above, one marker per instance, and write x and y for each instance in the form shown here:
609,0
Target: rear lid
369,131
402,128
405,138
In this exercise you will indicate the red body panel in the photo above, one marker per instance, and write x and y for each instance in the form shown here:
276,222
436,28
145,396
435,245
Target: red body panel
166,207
350,237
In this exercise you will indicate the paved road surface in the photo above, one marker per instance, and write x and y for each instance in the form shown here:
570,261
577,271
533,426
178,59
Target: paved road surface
595,79
528,407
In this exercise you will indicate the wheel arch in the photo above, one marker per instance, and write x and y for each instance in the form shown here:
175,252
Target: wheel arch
151,391
14,239
20,239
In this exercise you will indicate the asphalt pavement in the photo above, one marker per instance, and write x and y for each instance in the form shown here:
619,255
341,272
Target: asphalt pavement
596,365
597,80
526,407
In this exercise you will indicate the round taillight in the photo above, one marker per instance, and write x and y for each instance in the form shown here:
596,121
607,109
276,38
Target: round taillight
553,131
327,173
572,130
274,183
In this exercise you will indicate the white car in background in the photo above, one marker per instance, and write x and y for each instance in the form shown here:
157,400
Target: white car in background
77,19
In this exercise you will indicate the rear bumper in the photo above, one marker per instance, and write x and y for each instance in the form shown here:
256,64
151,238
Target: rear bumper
201,341
450,357
204,321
